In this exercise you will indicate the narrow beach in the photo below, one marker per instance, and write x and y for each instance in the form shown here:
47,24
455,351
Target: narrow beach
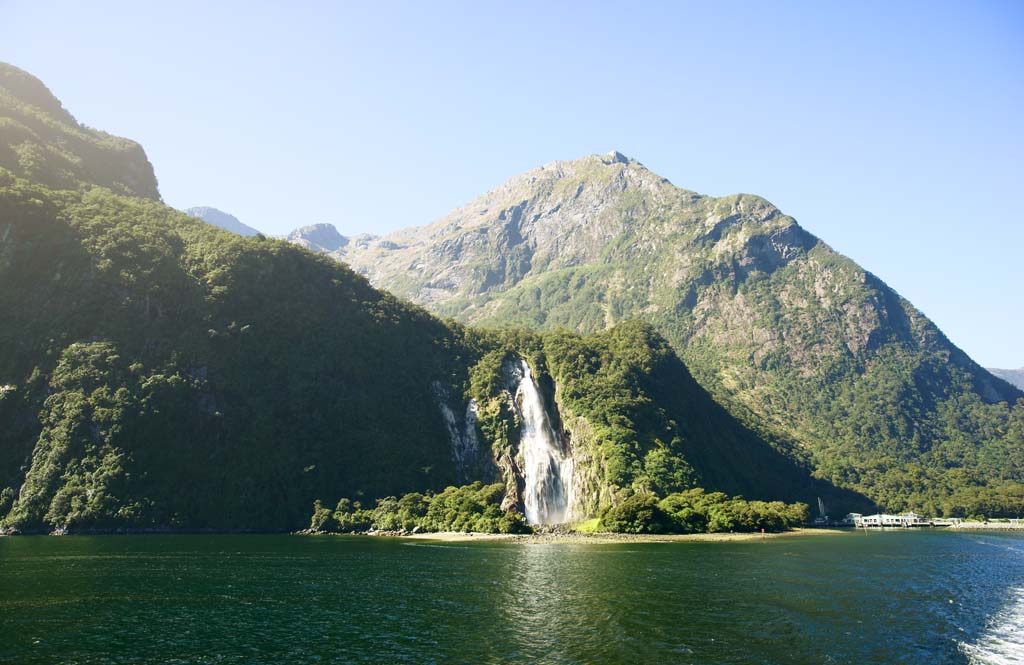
605,538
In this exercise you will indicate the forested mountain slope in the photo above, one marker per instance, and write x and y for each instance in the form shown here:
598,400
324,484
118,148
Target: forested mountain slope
791,336
41,141
157,372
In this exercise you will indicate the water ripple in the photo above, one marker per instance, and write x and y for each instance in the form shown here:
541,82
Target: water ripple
929,598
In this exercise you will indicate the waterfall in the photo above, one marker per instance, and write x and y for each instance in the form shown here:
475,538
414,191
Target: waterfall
547,469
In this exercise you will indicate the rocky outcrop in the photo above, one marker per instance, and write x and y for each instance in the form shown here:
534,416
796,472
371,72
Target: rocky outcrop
319,238
470,461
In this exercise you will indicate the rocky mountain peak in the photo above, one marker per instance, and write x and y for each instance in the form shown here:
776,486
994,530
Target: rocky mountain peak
616,157
604,209
322,237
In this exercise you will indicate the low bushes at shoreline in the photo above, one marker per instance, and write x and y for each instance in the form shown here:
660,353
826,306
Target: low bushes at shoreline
478,508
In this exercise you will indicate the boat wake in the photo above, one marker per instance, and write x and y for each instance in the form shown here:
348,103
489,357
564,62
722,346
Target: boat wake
1002,643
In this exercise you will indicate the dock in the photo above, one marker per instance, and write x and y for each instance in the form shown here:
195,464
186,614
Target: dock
913,521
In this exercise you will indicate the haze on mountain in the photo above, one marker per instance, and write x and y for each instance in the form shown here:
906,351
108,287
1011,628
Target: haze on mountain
222,220
321,237
1014,376
795,339
42,142
157,372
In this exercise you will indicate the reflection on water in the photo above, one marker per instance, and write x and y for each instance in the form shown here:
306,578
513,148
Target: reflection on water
858,598
555,602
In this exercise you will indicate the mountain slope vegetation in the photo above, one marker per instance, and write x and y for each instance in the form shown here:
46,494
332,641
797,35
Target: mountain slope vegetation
792,337
189,371
158,372
42,142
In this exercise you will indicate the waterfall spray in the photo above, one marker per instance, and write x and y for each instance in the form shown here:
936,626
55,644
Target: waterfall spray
547,469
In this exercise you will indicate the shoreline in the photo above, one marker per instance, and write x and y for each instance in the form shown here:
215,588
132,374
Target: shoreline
577,538
570,537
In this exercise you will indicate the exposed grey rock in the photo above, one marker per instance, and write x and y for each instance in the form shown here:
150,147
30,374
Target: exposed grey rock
462,433
222,220
1014,376
614,241
321,237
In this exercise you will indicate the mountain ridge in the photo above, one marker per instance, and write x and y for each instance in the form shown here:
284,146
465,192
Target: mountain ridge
157,372
42,142
1013,376
792,336
221,219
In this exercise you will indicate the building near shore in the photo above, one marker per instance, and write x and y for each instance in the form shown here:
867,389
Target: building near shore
884,520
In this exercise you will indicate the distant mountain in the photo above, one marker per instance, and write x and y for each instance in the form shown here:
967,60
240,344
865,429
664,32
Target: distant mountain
794,338
1014,376
157,372
222,220
318,238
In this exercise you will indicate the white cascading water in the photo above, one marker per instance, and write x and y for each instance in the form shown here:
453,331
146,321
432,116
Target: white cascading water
547,470
1003,639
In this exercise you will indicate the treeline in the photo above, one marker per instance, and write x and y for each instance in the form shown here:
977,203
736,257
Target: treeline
477,507
473,507
697,511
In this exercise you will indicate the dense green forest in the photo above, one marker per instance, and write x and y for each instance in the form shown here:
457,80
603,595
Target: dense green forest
157,372
163,373
639,422
474,507
697,511
478,507
183,376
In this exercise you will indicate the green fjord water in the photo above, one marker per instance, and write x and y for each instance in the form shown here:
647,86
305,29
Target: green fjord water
926,597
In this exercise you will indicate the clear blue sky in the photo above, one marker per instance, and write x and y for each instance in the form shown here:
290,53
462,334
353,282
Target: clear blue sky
894,131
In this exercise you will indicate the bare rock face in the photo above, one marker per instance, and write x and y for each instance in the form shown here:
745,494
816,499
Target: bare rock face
560,215
319,238
737,286
470,462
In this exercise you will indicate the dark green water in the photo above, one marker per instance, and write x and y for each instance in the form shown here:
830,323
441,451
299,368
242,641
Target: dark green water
926,597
